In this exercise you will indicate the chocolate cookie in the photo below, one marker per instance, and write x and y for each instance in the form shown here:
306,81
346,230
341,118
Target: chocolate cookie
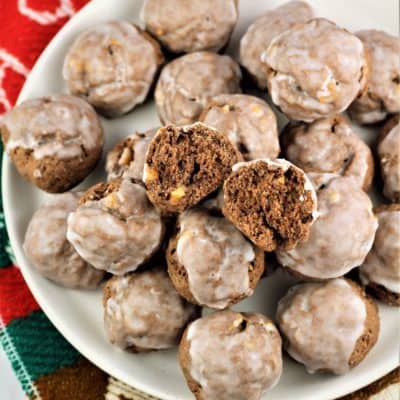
113,66
115,227
53,141
248,122
210,262
48,250
186,26
328,327
271,202
188,82
185,164
229,355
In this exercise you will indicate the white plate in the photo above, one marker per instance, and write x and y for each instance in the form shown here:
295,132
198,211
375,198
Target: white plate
78,314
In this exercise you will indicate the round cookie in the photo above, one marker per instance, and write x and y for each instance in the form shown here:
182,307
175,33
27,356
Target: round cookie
305,80
388,150
382,96
229,355
113,66
265,28
329,145
380,272
53,141
185,26
127,157
143,311
341,236
186,164
115,227
210,262
272,202
48,250
248,121
187,83
329,326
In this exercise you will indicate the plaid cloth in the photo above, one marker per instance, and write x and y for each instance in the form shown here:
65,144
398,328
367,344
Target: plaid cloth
47,366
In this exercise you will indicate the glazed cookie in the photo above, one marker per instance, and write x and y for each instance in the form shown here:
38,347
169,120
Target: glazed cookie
188,82
186,26
329,145
112,66
210,262
54,141
342,235
229,355
185,164
48,250
265,28
328,327
272,202
143,311
305,80
248,122
388,150
115,227
381,269
127,157
383,92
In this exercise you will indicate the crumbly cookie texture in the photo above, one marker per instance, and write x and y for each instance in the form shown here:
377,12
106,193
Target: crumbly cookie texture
271,201
187,26
113,66
248,121
328,327
265,28
127,157
210,262
333,248
50,253
115,227
143,311
388,150
230,355
329,145
304,80
382,96
184,164
187,83
380,272
53,141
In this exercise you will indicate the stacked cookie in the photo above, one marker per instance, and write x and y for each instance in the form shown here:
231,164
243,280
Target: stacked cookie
191,210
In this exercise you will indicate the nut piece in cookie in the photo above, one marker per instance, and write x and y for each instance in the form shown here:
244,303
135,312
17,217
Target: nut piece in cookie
115,227
127,157
186,164
143,311
248,121
48,250
231,355
329,145
113,66
265,28
388,150
337,330
187,83
305,80
210,262
341,236
380,272
382,96
271,201
185,26
54,141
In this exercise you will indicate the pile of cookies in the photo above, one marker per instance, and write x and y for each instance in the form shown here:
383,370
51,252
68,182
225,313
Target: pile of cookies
190,210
